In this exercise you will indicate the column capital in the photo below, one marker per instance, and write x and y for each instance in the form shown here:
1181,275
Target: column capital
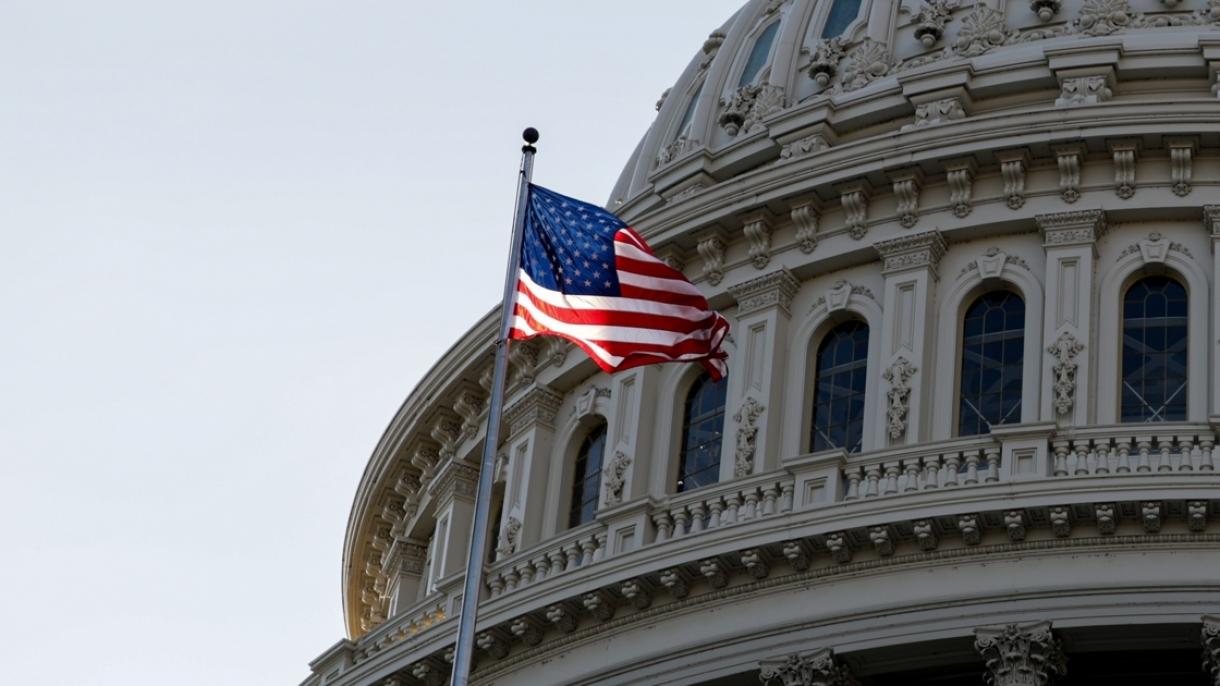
1211,646
1078,227
538,405
1017,655
455,480
805,669
405,557
911,252
773,289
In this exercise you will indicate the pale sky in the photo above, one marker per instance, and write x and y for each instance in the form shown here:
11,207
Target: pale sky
234,237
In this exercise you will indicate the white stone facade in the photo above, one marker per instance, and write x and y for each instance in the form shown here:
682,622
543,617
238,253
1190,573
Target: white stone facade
929,154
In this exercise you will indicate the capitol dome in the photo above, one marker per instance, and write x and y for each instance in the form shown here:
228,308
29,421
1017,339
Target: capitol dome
968,251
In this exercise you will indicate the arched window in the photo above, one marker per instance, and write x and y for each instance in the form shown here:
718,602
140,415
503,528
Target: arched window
838,388
1154,351
842,14
689,115
702,431
993,347
587,477
759,56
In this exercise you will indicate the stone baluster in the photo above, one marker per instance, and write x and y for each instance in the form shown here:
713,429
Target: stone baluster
1082,457
890,482
1104,455
872,474
542,567
1207,458
785,496
751,509
931,471
572,551
559,561
512,579
972,466
1061,450
1164,445
992,453
496,585
525,572
952,462
588,546
853,483
1124,457
1190,454
770,496
600,551
731,505
1144,443
697,511
715,507
681,520
664,526
912,475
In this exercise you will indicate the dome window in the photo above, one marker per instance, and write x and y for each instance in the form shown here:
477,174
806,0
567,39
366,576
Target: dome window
838,388
1154,351
702,433
993,349
689,115
587,477
759,56
842,14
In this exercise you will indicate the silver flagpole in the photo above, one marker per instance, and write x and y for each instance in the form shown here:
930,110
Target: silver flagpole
482,504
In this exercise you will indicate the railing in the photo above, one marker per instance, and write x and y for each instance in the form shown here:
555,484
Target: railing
402,626
923,468
580,547
726,505
1134,449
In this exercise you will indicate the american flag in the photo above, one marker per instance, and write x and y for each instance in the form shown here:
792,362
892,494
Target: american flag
588,277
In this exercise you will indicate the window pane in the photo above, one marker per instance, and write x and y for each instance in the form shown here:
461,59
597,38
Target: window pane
702,433
759,56
587,477
993,349
842,14
838,388
684,127
1154,337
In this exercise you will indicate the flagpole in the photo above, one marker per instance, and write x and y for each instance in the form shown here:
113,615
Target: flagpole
482,504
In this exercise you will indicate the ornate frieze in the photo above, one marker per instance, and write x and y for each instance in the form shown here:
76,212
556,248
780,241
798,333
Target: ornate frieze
1154,249
1124,153
748,106
814,142
1181,163
773,289
675,149
1017,655
747,433
1078,91
854,199
981,30
1063,370
455,479
815,668
960,176
1103,17
1068,159
805,217
911,252
936,112
899,376
757,229
1071,228
991,263
711,248
614,477
1013,165
906,191
538,405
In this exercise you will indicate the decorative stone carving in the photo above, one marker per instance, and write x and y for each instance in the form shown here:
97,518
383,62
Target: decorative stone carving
1196,515
714,571
1045,9
446,431
854,198
562,617
1020,655
1071,228
755,562
430,674
661,100
826,57
1012,171
537,406
1124,167
866,62
1211,219
840,551
493,643
1107,520
937,112
1181,153
526,629
773,289
676,581
522,359
614,477
747,433
1077,91
638,592
1150,514
797,554
676,148
816,668
555,350
710,47
1154,249
1069,172
508,537
469,406
711,249
906,190
960,177
805,218
757,228
1014,524
909,252
931,21
968,526
748,106
586,401
991,263
1103,17
899,376
1064,351
1211,647
1061,524
881,540
925,534
425,458
599,604
814,142
981,30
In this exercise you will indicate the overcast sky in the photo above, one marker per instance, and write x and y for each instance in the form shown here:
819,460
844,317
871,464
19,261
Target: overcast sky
235,235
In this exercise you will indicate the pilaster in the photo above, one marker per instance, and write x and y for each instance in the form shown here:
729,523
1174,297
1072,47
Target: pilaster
1069,240
634,404
1211,647
531,458
405,568
453,492
1211,220
753,415
909,265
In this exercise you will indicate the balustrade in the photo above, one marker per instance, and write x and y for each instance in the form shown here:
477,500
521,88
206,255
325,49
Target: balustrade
1129,449
578,548
926,468
723,505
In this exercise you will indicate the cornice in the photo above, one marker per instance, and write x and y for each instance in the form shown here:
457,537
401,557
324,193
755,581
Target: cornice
538,405
774,289
921,250
1077,227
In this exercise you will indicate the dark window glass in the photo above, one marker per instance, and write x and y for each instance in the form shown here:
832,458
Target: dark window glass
759,56
842,14
587,477
1154,351
684,127
702,428
838,388
993,347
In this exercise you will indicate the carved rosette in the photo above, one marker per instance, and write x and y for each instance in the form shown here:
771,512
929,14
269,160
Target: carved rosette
899,376
1064,351
981,30
866,62
747,435
1103,17
815,668
1021,655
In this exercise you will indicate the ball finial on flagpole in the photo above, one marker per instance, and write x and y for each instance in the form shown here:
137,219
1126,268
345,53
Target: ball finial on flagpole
530,135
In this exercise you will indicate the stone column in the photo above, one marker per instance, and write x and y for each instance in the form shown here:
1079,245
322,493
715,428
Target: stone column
753,411
812,668
1070,240
453,491
1211,647
1028,655
405,568
529,515
903,383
